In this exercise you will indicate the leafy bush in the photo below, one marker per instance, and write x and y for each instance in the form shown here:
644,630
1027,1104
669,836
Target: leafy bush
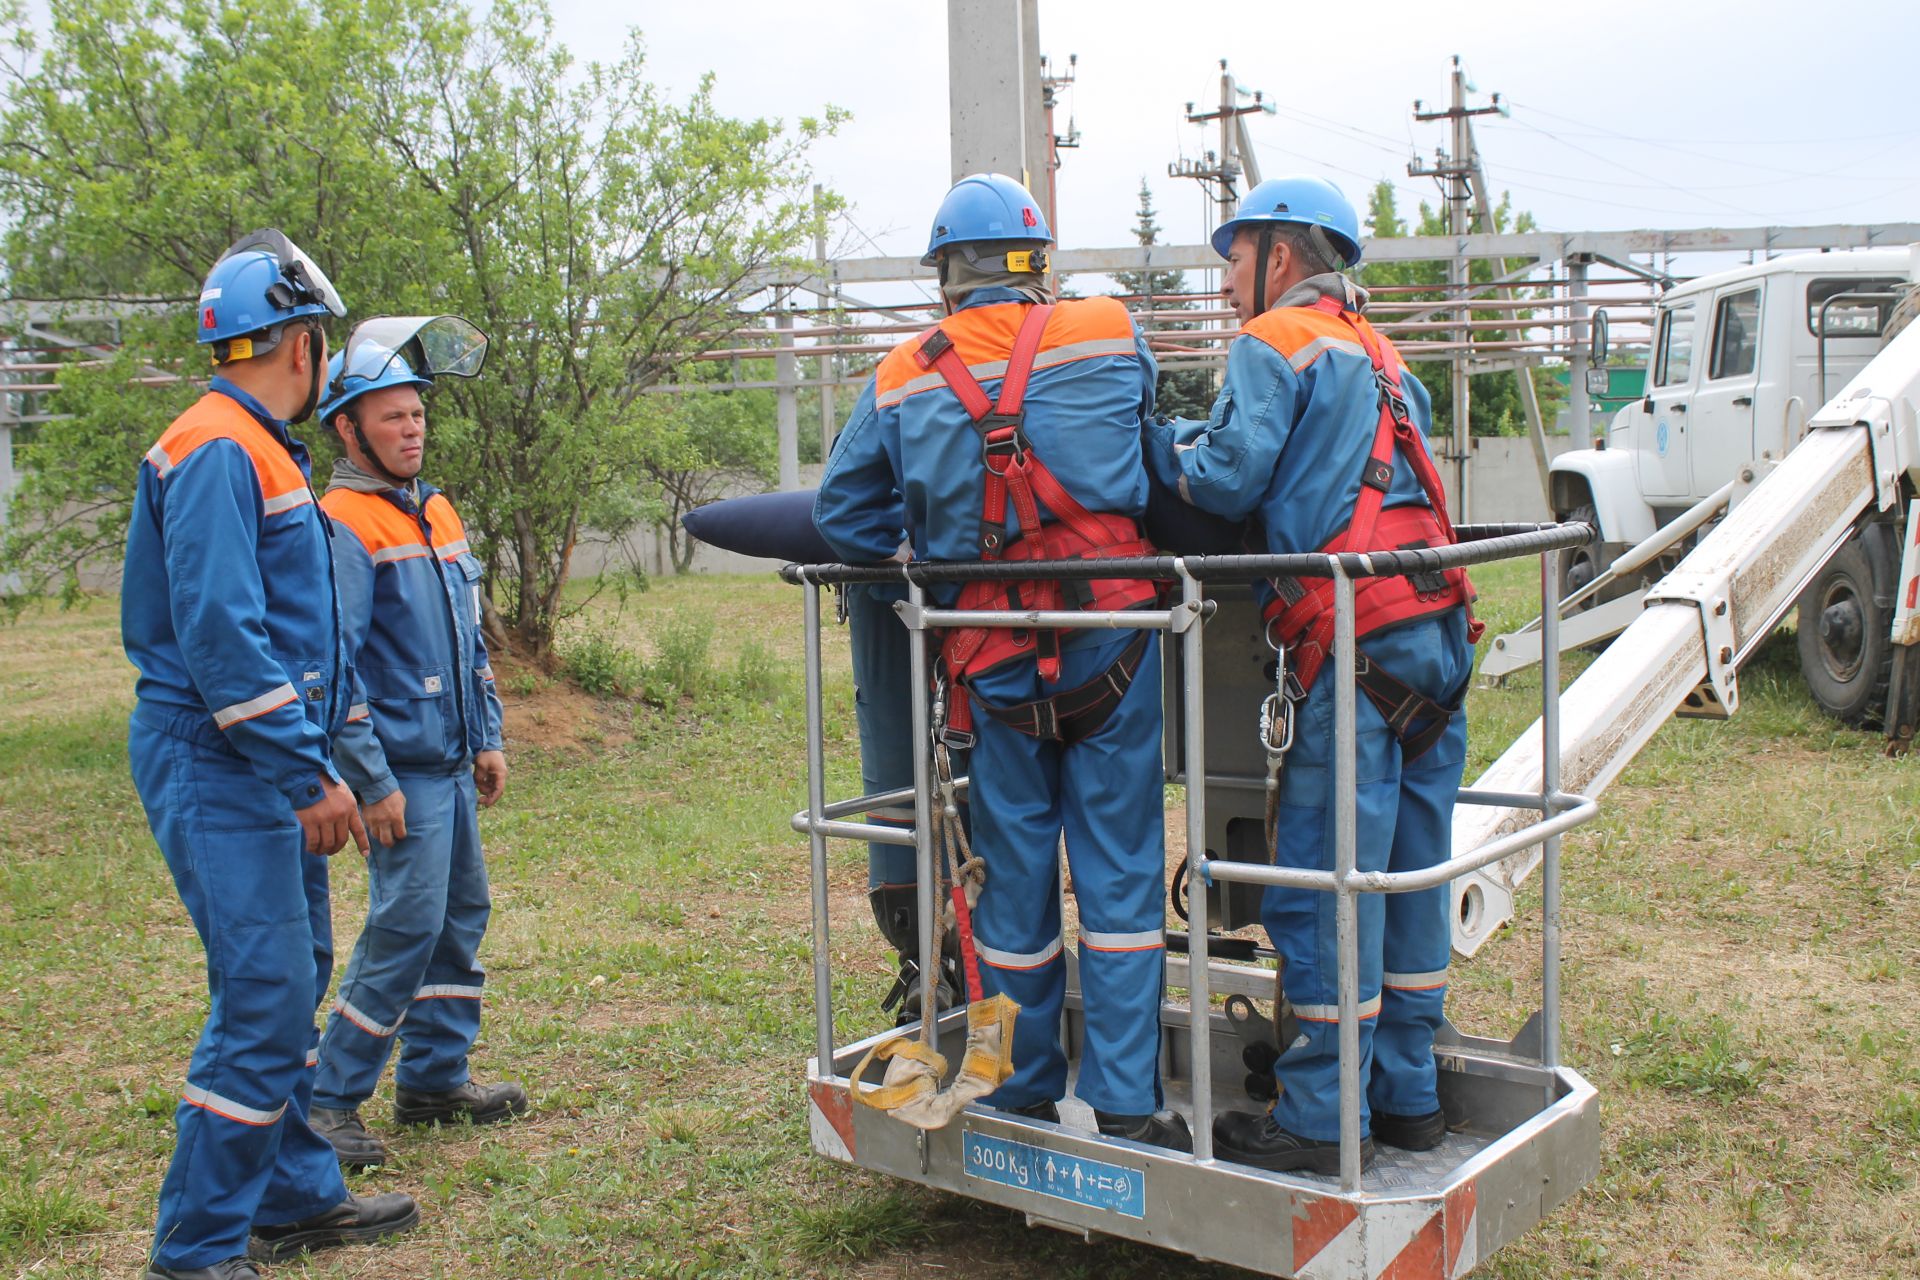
602,667
682,665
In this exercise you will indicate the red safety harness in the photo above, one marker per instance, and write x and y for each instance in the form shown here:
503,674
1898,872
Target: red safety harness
1300,616
1016,474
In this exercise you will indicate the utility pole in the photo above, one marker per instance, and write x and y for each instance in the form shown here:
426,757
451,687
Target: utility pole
1050,87
1221,171
1454,168
828,419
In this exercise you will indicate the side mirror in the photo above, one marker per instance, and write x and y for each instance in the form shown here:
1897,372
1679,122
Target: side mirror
1599,382
1597,350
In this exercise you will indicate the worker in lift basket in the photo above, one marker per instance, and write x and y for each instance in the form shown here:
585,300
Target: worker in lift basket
229,614
1012,432
1319,432
421,746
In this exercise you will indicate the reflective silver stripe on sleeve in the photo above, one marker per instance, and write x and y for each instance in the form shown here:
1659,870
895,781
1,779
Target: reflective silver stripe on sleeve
1017,960
272,699
313,1057
286,502
208,1100
928,381
895,813
1415,981
486,672
161,462
407,551
1331,1012
458,547
358,711
1186,494
1145,940
1083,351
363,1022
1307,354
447,991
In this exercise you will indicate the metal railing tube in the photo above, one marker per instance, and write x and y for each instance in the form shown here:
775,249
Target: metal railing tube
1199,997
1549,787
869,831
1059,619
1346,922
923,844
817,842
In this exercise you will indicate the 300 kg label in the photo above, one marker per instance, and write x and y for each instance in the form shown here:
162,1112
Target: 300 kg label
1078,1179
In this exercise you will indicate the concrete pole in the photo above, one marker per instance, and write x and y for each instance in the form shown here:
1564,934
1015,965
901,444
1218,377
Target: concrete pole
1579,410
1457,278
786,371
994,98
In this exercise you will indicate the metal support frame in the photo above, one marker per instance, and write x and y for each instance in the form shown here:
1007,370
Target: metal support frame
1563,1112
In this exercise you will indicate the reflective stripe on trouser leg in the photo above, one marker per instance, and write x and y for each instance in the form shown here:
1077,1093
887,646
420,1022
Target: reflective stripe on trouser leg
406,910
1418,940
1025,791
882,689
445,1016
238,860
1112,801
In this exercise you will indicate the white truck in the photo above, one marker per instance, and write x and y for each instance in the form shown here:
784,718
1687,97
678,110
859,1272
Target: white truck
1741,361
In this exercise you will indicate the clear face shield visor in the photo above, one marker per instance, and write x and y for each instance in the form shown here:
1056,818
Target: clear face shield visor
301,282
429,346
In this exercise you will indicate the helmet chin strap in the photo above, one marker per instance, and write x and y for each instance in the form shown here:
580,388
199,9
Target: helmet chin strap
375,463
1265,259
319,372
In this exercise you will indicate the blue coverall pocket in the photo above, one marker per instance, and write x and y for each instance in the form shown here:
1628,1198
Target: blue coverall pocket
408,712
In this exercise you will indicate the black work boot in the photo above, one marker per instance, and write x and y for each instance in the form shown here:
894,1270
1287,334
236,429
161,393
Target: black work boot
1042,1110
230,1269
906,997
1411,1133
480,1103
1161,1129
355,1220
1253,1137
356,1148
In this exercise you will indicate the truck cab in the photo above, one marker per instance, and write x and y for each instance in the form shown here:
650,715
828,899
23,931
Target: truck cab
1737,368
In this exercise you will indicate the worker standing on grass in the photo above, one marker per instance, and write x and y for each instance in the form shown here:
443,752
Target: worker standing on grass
421,747
1041,462
229,614
1319,430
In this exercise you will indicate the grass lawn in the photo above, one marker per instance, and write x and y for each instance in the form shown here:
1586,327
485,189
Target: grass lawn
1743,985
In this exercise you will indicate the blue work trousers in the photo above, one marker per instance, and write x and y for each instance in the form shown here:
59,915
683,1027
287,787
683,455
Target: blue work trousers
244,1154
883,709
1404,812
415,970
1106,794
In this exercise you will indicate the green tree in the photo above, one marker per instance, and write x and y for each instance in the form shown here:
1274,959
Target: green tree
1496,409
600,233
1181,392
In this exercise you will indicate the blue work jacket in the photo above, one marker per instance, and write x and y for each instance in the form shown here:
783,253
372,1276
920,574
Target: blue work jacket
425,699
1293,425
227,604
910,442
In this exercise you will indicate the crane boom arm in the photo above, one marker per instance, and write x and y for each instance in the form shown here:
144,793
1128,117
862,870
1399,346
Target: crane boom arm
1706,616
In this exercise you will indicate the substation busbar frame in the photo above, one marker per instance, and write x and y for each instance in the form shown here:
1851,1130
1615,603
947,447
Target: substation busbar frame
1559,812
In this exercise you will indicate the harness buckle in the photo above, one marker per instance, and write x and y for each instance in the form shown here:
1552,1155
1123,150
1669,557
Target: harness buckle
1391,397
1003,436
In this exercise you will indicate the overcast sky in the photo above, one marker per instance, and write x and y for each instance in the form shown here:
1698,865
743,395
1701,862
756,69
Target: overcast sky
1676,113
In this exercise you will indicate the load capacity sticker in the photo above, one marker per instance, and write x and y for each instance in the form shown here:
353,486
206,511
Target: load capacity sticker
1053,1173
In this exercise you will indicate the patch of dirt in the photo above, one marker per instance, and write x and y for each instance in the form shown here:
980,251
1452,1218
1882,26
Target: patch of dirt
545,713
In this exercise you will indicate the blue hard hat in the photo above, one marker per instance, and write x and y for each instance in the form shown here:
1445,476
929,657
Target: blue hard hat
260,283
986,206
1313,202
401,351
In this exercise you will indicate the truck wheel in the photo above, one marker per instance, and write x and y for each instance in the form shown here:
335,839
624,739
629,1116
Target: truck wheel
1582,565
1846,649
